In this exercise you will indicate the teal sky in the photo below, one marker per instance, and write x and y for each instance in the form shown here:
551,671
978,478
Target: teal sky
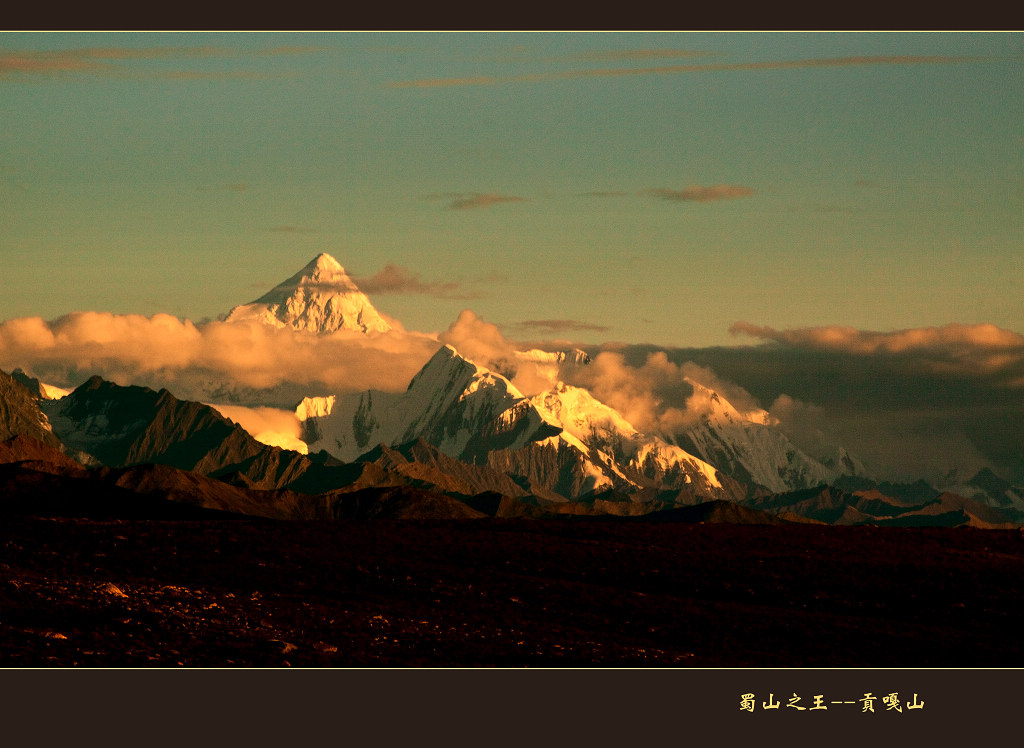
648,188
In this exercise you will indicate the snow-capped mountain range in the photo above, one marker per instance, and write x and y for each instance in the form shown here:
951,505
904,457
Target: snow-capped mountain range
471,413
562,435
461,408
561,443
464,429
751,447
468,411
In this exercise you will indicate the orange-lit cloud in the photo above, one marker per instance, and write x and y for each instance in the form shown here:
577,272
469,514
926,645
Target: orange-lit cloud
92,59
277,427
910,402
699,194
711,67
197,360
296,49
37,64
206,75
951,337
656,396
394,279
111,60
483,343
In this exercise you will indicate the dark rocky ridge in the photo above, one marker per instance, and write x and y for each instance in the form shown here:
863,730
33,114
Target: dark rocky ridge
138,427
20,412
130,425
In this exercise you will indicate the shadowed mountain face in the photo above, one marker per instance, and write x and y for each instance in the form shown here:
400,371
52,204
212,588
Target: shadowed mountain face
124,426
834,506
425,465
20,413
39,480
168,450
128,425
36,388
414,480
29,450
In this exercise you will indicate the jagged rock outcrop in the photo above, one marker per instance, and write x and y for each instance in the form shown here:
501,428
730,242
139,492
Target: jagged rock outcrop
20,413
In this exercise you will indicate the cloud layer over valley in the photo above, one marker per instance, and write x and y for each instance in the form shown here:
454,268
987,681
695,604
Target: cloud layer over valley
204,360
911,403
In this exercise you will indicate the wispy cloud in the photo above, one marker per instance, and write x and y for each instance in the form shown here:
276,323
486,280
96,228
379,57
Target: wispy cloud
287,229
526,54
95,59
640,54
699,194
292,50
470,200
703,68
116,61
41,64
556,326
231,187
394,279
207,75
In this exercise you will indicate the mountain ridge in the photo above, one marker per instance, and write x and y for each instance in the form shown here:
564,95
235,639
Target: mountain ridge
463,430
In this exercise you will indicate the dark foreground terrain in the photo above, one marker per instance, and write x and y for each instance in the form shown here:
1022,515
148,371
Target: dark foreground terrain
490,592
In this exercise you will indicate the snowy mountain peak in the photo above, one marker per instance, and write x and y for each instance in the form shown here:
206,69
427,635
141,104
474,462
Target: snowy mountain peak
324,264
601,432
550,364
320,298
447,365
717,410
462,409
450,376
535,355
751,446
315,407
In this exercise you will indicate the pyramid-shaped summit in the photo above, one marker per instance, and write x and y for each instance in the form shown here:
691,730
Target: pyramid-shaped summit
320,298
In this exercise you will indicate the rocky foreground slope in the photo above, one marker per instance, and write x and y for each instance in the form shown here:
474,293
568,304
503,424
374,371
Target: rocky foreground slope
513,593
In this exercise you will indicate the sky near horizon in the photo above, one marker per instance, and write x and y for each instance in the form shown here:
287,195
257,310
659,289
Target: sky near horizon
658,188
